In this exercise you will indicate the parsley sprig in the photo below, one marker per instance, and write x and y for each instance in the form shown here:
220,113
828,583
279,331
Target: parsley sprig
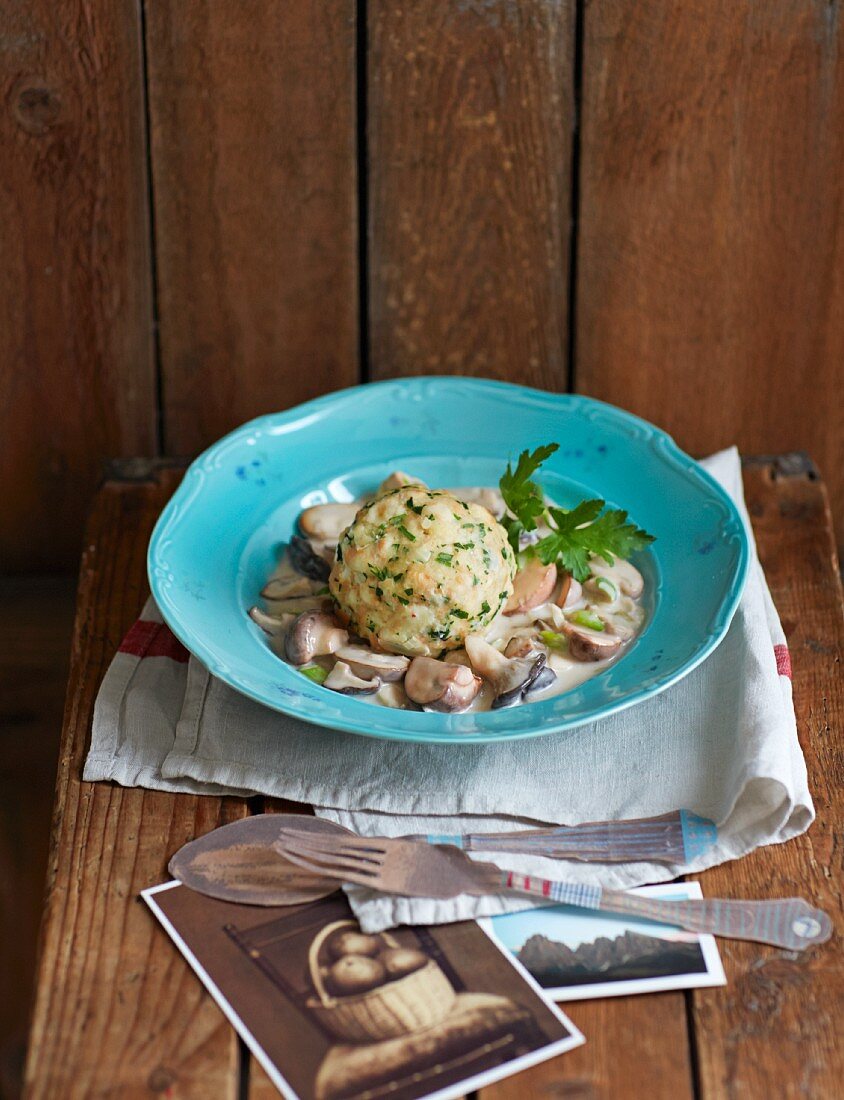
576,535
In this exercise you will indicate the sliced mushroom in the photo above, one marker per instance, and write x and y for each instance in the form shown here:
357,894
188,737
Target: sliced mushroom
510,677
571,592
627,576
315,633
270,624
397,480
284,588
544,680
438,686
586,644
342,679
457,657
365,662
327,521
522,645
533,586
394,696
306,560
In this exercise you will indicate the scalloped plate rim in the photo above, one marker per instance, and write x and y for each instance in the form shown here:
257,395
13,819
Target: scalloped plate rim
662,444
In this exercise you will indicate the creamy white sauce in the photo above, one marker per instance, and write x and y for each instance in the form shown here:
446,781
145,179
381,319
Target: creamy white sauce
623,616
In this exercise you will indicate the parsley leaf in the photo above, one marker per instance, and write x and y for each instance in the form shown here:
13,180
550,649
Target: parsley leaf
522,496
575,535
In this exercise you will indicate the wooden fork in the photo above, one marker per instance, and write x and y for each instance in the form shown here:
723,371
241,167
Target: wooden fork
433,871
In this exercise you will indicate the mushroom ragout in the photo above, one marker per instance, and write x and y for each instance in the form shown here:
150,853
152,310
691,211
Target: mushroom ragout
455,599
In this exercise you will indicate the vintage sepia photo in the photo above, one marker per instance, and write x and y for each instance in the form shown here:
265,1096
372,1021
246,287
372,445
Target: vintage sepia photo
334,1014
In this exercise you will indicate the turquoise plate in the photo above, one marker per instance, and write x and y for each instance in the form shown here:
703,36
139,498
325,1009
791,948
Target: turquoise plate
219,537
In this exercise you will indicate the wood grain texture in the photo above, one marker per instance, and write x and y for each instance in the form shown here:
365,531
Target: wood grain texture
775,1029
117,1010
635,1047
469,135
36,619
76,369
710,295
252,115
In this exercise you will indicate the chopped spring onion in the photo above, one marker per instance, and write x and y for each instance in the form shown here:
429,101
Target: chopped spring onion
316,673
552,639
606,586
588,619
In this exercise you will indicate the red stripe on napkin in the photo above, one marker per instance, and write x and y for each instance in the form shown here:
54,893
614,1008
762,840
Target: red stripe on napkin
783,660
146,639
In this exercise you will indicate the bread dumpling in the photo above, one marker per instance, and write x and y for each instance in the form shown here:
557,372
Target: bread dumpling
418,570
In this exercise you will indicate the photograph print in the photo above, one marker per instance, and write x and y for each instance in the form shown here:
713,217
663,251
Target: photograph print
334,1014
578,954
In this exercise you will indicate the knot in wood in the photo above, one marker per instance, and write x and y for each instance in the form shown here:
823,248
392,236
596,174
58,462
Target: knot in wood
161,1079
35,105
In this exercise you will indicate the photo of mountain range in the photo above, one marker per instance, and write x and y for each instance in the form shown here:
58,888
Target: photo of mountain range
629,956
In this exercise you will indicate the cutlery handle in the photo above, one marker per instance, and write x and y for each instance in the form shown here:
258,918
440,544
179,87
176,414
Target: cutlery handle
784,922
672,838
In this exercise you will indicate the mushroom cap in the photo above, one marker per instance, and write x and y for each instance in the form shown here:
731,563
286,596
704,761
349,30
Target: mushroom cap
365,662
327,522
397,480
510,677
437,685
314,633
533,585
544,680
586,644
306,560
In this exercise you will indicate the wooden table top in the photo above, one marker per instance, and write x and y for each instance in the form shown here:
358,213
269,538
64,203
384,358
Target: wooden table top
118,1012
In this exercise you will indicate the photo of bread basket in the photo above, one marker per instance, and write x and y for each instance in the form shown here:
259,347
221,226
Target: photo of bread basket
417,1000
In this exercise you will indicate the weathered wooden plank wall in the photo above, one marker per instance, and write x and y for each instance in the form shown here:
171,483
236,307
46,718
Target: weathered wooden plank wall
252,123
76,346
209,211
710,296
469,124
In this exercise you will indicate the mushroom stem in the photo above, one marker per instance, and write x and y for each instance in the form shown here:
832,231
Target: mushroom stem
342,679
315,633
270,624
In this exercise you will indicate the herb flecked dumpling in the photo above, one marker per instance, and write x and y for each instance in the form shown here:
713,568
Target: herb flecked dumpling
418,571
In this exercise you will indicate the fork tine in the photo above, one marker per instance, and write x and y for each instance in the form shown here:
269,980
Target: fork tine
318,851
337,866
305,864
350,844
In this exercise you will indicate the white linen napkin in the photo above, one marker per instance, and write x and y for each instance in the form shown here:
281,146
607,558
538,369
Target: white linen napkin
722,743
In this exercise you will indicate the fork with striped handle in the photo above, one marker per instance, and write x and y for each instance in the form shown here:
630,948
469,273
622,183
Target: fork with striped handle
676,837
434,871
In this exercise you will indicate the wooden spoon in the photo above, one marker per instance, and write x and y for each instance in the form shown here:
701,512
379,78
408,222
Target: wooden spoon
237,862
